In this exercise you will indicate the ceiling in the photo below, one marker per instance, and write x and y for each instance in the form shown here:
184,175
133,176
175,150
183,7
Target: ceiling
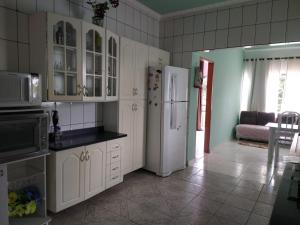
169,6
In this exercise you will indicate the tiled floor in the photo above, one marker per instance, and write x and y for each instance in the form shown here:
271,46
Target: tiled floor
231,186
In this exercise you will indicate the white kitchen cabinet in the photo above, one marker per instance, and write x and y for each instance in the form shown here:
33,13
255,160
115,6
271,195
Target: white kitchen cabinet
55,53
141,71
134,70
132,122
126,127
75,175
78,61
139,131
114,173
112,66
66,172
93,58
158,57
127,65
95,169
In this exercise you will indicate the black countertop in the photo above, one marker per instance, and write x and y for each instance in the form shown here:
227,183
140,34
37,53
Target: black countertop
285,211
82,137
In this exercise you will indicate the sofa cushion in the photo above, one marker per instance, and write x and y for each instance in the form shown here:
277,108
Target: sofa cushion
248,117
252,132
264,118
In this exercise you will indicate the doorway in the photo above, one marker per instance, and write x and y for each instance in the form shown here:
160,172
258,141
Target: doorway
204,108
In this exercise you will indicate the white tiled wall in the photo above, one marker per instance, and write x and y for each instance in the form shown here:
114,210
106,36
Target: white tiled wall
256,22
127,20
76,115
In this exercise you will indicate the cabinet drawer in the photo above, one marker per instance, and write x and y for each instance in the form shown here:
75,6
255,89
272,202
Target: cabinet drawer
114,146
115,167
113,156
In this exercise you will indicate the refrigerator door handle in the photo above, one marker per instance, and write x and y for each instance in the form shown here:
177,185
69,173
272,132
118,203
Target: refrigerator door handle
173,117
173,87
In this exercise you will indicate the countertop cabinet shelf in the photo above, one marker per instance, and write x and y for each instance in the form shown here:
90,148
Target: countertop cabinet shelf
78,61
15,176
77,174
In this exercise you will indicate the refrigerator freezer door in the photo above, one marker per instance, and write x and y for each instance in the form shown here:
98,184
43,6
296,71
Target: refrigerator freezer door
173,153
175,84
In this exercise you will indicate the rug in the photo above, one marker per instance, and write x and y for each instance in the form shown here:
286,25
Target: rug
253,144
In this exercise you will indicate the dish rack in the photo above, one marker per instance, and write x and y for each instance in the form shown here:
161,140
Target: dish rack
18,175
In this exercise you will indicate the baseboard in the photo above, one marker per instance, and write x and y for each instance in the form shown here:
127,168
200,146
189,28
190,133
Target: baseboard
191,162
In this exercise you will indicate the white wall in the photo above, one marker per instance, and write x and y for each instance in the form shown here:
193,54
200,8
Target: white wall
127,20
130,19
74,115
256,22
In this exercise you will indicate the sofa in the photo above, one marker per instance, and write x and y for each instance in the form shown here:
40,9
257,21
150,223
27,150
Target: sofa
252,126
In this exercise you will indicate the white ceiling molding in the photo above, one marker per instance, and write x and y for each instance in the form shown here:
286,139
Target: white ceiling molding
136,4
202,8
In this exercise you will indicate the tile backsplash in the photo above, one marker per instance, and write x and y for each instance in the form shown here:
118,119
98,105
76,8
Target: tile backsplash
76,115
128,20
248,23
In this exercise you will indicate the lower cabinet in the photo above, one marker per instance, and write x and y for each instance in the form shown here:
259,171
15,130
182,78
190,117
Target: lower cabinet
74,175
95,169
114,174
65,178
132,116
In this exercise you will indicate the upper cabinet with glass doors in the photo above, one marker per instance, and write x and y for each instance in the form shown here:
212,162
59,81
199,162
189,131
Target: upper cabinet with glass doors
78,61
64,66
93,55
112,66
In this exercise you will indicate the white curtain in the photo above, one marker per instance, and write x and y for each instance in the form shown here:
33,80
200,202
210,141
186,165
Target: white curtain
258,99
291,100
275,69
246,87
262,82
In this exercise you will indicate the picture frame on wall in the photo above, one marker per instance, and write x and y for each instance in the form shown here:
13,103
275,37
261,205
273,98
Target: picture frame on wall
198,77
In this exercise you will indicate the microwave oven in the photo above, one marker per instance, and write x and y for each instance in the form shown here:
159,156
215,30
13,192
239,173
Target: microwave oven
23,132
20,89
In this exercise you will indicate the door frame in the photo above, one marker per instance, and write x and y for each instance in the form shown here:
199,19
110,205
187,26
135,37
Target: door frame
208,103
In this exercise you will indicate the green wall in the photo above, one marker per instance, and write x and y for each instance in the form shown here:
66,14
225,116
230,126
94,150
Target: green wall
228,69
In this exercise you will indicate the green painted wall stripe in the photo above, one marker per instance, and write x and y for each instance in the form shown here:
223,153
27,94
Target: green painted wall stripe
228,69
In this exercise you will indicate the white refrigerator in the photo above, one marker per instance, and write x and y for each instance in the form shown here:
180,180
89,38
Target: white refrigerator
166,120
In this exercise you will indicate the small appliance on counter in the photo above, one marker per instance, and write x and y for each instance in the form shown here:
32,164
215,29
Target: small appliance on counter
20,89
23,123
23,150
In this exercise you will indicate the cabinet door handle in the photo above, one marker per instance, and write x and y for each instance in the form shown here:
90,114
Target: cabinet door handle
115,177
1,173
132,107
115,168
79,89
87,156
85,91
82,156
116,147
115,157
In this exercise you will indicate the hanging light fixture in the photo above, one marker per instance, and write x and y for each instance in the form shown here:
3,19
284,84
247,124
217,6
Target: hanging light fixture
100,10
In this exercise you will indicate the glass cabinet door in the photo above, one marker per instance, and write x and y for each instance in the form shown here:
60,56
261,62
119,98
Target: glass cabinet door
112,74
93,55
64,56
